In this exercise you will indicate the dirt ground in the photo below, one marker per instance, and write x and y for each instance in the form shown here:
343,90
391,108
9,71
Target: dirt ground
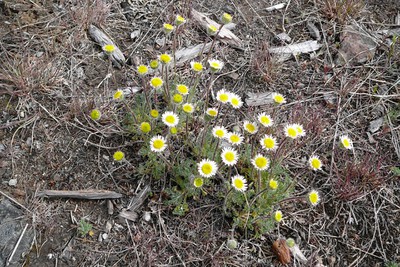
52,74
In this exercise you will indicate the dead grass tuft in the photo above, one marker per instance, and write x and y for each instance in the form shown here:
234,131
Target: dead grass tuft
341,10
264,63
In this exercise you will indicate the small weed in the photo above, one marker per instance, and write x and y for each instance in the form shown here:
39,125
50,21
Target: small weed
341,10
264,63
85,228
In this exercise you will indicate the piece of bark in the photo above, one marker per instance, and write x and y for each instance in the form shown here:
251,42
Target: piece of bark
80,194
117,58
225,35
259,99
185,54
299,48
281,250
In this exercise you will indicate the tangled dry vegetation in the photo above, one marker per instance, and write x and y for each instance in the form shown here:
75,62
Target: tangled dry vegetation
53,74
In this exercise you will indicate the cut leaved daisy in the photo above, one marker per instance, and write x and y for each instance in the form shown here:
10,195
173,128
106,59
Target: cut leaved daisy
278,98
179,20
235,100
156,82
207,168
260,162
229,156
182,89
170,119
268,142
313,197
234,138
165,58
315,163
273,184
118,95
291,131
158,143
226,18
142,69
198,182
211,29
109,48
250,127
223,96
219,132
265,119
196,66
168,28
239,183
278,216
215,65
145,127
345,142
95,114
118,155
188,108
213,112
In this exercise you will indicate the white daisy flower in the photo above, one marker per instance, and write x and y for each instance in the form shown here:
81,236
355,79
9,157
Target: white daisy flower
223,96
158,143
278,98
236,101
268,142
265,119
207,168
239,183
250,127
260,162
291,131
188,108
229,156
219,132
315,163
215,65
346,142
170,119
234,138
300,129
213,112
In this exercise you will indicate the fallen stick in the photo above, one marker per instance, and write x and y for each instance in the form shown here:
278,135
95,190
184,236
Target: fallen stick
80,194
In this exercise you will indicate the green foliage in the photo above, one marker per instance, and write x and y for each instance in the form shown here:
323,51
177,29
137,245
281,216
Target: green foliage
84,228
395,171
392,264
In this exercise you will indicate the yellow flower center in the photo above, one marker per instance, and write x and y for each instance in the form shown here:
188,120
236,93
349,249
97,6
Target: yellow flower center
292,132
230,156
206,168
239,184
223,97
197,66
261,162
118,156
345,142
278,216
314,198
273,184
265,120
251,128
279,99
235,102
198,182
158,144
234,138
118,94
165,58
220,133
154,113
142,69
154,64
269,143
182,89
170,119
178,98
109,48
156,82
145,127
187,108
316,163
212,112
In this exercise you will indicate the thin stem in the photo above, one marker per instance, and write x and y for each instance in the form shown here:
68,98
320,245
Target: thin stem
213,42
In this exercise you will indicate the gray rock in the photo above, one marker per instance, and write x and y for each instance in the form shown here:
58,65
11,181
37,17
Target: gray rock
356,47
12,224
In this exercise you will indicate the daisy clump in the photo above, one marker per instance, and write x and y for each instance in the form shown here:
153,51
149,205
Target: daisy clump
158,144
207,168
229,156
239,183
